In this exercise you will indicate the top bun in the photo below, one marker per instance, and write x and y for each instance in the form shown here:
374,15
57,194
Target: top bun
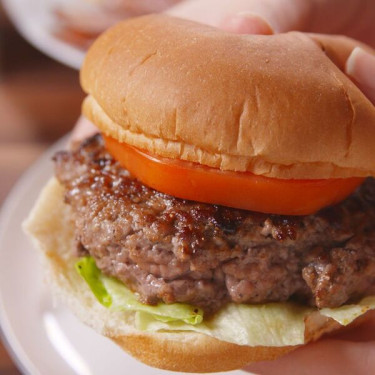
275,105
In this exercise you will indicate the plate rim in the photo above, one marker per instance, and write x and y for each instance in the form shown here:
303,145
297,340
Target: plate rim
13,343
10,341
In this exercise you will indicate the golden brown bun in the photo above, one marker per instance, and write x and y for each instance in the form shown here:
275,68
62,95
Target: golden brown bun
52,231
272,105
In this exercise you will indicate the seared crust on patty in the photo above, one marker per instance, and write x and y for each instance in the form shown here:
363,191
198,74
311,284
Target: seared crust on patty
171,249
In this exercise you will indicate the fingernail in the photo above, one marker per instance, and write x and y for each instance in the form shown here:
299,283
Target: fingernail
246,23
361,66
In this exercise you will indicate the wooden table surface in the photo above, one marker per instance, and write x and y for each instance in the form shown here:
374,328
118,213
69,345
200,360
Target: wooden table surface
39,102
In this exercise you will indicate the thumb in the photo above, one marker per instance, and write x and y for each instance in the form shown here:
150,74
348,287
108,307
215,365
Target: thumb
354,58
246,23
361,67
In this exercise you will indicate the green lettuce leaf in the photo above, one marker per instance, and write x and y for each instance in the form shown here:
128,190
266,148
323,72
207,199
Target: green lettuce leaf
116,296
271,324
87,268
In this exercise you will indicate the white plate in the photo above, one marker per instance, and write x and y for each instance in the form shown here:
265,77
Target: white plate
43,337
34,19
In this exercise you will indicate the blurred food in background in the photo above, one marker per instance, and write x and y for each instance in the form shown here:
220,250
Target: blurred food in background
64,29
40,101
80,22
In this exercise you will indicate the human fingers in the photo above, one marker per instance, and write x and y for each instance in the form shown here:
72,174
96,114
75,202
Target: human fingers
353,18
337,47
349,352
360,333
361,67
246,23
280,15
83,129
354,58
326,357
131,7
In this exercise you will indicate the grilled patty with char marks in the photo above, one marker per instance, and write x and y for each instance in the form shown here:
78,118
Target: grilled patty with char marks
174,250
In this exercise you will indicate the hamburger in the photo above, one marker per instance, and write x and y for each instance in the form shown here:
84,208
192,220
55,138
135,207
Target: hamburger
225,212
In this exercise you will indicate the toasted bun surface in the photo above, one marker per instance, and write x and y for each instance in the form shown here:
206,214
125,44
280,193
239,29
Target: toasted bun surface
52,230
272,105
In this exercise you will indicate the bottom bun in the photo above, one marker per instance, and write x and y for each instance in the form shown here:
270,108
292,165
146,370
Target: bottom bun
52,231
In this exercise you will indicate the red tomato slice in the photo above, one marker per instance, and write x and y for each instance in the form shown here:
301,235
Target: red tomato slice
234,189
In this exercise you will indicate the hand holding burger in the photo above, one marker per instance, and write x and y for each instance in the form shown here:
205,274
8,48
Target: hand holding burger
166,106
353,18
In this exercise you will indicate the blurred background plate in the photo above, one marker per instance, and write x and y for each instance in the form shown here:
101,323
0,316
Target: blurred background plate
36,20
43,337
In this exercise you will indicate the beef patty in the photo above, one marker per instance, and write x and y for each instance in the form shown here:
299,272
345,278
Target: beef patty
169,249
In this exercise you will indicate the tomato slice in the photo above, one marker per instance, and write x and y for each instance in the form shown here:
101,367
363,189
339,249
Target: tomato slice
234,189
